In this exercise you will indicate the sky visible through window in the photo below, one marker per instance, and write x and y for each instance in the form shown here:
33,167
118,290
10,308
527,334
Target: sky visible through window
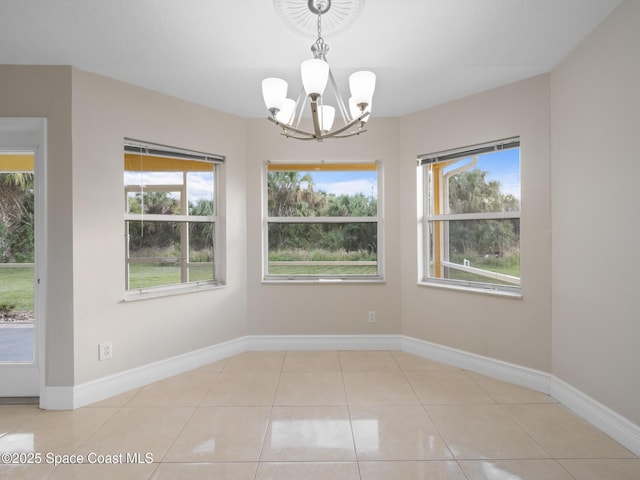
502,166
337,183
199,183
345,182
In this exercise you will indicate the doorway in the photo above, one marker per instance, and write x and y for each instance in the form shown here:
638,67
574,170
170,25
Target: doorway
22,239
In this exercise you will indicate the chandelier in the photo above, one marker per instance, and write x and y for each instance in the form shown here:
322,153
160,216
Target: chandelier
316,76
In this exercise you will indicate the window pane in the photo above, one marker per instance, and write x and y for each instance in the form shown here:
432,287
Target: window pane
154,239
200,194
161,192
484,183
154,202
200,273
320,193
476,250
201,252
201,242
145,275
322,249
154,253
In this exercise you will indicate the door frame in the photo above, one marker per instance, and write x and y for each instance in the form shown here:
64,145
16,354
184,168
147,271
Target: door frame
30,134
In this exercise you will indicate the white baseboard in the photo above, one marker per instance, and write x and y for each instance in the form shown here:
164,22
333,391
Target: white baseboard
619,428
508,372
323,342
616,426
68,398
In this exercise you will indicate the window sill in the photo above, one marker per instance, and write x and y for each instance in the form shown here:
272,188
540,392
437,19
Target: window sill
160,292
474,290
322,281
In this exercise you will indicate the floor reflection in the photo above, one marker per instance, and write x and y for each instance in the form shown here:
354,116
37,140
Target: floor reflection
317,433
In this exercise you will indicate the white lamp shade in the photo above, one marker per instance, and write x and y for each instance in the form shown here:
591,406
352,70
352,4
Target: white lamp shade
327,114
315,74
285,115
355,110
362,85
274,92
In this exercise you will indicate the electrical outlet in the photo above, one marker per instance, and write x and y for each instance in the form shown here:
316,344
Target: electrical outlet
105,350
372,317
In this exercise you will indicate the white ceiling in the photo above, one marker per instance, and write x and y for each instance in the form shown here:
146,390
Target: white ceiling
216,52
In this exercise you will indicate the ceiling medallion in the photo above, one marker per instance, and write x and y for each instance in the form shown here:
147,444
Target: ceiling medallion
301,15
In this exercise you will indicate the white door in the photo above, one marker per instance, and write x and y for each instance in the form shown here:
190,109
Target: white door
22,238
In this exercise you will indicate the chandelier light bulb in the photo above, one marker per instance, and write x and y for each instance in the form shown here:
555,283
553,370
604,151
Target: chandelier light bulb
274,93
285,115
315,74
327,114
362,85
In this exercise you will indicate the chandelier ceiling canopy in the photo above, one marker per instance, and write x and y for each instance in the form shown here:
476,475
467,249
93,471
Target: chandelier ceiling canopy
316,77
301,19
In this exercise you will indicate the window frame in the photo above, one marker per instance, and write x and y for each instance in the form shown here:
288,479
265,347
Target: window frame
173,154
427,218
378,219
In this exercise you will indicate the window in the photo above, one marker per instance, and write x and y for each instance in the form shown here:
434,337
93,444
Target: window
323,222
470,225
171,217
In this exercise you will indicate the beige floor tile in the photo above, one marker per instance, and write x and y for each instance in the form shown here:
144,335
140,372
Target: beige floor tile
515,469
396,433
313,361
221,434
251,362
103,472
600,469
56,432
446,387
379,388
205,471
367,361
242,389
183,390
117,400
409,362
309,434
503,392
483,432
431,470
565,435
138,429
318,388
12,416
24,472
308,471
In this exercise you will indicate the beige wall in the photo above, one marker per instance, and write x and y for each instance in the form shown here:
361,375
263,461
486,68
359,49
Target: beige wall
513,330
596,219
30,91
104,112
323,309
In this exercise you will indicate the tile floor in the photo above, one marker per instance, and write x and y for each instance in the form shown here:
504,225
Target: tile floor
318,415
